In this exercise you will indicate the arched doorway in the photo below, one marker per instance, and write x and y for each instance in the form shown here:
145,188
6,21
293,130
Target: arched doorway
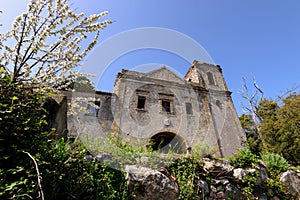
167,141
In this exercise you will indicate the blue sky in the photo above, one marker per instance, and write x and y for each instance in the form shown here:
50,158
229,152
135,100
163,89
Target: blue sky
244,37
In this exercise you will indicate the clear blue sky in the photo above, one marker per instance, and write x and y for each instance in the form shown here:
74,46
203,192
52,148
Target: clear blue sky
244,37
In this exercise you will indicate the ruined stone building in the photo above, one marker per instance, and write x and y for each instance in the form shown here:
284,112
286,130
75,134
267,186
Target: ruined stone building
164,111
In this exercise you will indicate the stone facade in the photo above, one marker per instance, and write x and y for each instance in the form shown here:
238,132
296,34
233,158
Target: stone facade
165,112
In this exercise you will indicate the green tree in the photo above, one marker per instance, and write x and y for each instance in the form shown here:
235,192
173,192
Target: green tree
281,126
253,140
82,83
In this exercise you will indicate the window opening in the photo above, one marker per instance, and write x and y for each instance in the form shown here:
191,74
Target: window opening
210,77
141,102
166,105
188,107
94,110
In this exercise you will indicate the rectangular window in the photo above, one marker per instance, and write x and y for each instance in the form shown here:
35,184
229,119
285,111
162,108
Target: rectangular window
166,105
141,102
189,109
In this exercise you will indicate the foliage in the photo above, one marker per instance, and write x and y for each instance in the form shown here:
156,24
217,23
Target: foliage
275,162
244,158
279,128
123,153
202,149
69,174
186,172
23,128
50,42
253,140
65,171
249,182
82,83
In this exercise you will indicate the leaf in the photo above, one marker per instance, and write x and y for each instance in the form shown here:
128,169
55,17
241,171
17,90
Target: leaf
15,98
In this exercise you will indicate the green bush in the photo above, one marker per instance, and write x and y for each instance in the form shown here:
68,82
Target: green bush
275,162
186,170
202,149
26,145
244,158
68,175
23,128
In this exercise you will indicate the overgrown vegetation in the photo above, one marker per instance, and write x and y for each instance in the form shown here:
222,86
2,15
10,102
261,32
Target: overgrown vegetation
278,128
187,172
35,166
64,171
244,158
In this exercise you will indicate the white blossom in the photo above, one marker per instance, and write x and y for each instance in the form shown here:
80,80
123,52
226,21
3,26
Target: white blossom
49,43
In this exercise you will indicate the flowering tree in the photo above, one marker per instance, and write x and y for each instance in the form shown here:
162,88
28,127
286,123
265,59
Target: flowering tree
50,40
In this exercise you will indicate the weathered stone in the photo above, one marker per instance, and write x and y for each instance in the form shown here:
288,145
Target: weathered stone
203,186
88,158
275,198
250,170
103,157
144,159
220,181
57,114
260,192
239,174
213,189
217,168
232,192
149,184
292,180
165,111
220,195
262,173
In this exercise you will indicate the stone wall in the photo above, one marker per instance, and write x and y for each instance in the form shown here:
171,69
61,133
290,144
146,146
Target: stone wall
214,180
159,105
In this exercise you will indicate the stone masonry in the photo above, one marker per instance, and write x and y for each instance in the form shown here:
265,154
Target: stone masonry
166,112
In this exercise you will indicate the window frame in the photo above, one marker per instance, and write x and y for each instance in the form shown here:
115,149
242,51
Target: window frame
141,97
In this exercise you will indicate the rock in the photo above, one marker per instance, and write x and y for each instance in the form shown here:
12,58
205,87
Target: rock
220,195
88,158
251,170
203,186
220,181
103,157
262,173
232,192
149,184
292,180
217,169
239,174
144,160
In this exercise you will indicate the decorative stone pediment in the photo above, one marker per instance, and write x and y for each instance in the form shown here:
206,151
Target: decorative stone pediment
166,74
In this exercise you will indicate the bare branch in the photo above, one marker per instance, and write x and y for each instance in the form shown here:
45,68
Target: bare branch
39,177
287,92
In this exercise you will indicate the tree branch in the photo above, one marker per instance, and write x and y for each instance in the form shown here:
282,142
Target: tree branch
16,68
39,177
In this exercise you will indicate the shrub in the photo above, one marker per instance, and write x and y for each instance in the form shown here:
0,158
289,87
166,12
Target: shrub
244,158
63,170
275,162
68,174
186,172
202,149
